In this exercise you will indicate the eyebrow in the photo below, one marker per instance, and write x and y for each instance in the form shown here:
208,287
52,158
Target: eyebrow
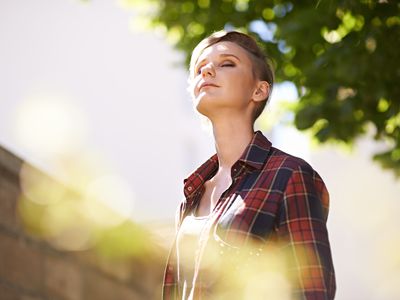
225,55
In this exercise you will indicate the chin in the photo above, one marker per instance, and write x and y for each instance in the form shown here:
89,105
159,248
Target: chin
201,108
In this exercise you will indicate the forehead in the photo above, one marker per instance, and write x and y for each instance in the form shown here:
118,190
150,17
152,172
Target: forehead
223,48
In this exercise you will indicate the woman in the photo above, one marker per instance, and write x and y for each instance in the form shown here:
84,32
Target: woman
253,222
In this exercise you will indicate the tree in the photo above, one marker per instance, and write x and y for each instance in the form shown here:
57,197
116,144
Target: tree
343,57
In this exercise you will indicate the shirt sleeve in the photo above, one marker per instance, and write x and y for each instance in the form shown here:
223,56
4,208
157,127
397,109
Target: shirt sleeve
303,235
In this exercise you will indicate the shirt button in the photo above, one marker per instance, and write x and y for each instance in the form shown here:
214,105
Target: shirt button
190,188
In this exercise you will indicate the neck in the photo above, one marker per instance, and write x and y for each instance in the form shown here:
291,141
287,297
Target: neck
231,139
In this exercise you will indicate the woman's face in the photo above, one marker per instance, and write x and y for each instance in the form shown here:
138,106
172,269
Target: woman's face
223,81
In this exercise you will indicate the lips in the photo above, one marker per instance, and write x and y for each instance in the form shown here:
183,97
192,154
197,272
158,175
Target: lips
207,84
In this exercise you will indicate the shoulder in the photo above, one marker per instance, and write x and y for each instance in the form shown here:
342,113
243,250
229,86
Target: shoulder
279,159
297,174
286,167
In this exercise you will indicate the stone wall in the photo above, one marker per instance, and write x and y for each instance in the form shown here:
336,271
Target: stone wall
31,269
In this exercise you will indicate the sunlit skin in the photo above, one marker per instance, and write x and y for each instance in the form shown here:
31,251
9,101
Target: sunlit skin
226,91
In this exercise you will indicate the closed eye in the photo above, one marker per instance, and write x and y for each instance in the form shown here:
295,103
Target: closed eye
198,70
224,64
228,64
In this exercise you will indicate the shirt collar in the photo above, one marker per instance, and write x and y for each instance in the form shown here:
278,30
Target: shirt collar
253,156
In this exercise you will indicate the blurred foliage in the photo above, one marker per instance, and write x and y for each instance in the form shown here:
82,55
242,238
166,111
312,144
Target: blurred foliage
72,220
343,57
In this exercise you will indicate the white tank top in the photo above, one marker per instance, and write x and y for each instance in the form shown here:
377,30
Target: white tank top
187,244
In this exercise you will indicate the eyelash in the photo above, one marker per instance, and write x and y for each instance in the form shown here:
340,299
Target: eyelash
224,64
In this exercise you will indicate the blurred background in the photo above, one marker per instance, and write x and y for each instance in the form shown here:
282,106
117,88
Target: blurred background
93,94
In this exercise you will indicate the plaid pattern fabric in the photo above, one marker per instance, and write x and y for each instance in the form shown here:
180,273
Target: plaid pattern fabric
274,197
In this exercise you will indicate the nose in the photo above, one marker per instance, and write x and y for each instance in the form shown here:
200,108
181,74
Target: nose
208,70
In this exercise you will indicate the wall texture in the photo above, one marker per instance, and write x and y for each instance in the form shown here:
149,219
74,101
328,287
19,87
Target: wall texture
31,269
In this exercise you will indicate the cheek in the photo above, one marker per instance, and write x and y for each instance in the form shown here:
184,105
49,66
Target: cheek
241,87
248,85
241,79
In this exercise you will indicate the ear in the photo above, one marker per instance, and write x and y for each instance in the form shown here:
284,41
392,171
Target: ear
262,91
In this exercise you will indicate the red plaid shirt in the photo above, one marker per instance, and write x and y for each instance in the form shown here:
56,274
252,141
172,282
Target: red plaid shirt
274,198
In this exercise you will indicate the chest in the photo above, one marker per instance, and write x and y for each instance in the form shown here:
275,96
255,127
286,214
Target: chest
213,191
248,208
